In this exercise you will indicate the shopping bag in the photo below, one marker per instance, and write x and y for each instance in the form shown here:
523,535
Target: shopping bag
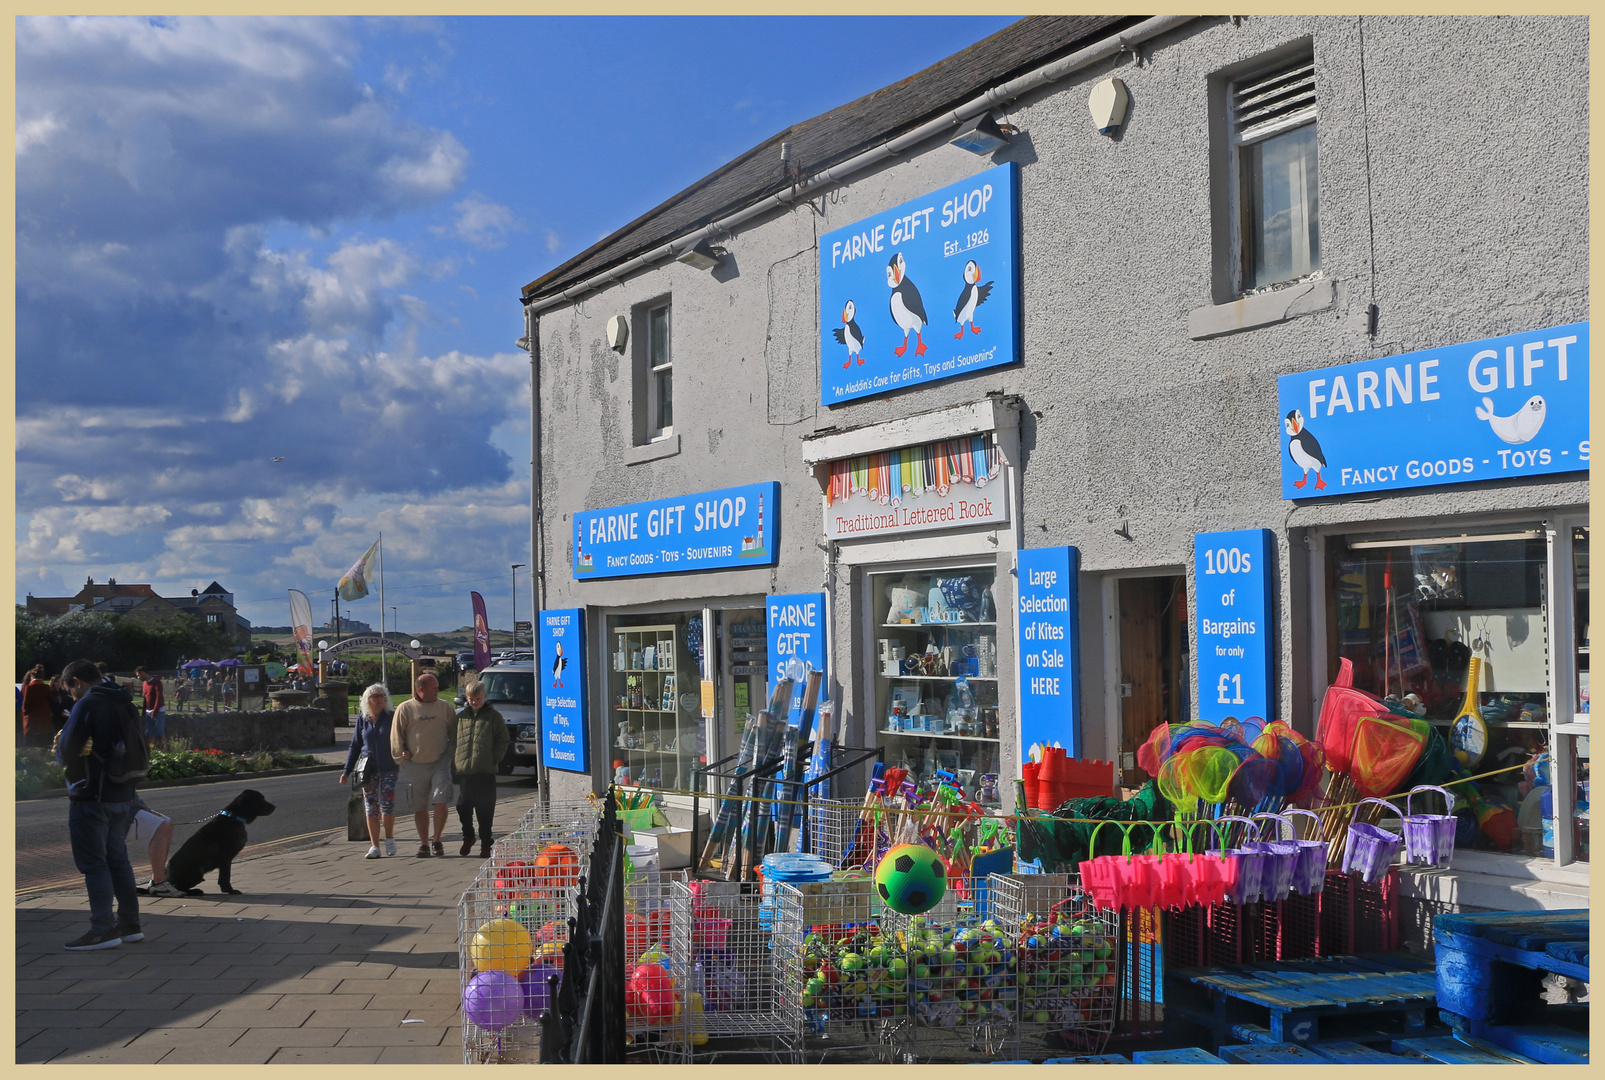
356,818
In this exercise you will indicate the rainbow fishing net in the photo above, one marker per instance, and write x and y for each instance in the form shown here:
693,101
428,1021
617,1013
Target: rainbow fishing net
1385,752
1154,750
1256,781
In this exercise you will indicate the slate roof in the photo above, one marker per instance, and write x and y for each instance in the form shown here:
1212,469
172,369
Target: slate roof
834,136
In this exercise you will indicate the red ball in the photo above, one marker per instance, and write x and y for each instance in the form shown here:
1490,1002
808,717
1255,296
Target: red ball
649,994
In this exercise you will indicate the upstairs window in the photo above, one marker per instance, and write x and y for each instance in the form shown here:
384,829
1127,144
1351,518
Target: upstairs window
1274,154
659,374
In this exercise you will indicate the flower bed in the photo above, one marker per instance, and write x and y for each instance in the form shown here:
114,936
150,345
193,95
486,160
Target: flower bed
37,771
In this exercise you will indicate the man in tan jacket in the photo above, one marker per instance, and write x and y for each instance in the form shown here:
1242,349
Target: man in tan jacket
421,742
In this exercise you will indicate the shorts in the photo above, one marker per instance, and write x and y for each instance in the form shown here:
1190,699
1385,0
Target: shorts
420,785
379,795
156,723
144,823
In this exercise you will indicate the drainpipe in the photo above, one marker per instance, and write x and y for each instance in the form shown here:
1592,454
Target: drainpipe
537,532
836,174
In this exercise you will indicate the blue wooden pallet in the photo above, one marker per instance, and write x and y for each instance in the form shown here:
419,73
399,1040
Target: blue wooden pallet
1297,995
1353,1053
1089,1059
1191,1055
1490,965
1271,1054
1458,1050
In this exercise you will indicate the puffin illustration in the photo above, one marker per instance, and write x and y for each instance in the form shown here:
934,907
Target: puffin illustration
850,335
1304,450
973,296
558,664
908,310
1519,426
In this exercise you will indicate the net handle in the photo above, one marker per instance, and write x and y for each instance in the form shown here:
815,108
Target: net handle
1278,817
1352,817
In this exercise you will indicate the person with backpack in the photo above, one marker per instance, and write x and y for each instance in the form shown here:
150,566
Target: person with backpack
102,746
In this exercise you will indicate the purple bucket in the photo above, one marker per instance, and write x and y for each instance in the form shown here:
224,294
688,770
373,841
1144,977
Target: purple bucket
1429,839
1251,864
1309,871
1370,850
1280,862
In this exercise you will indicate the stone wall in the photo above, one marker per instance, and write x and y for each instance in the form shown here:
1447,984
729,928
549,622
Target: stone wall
288,729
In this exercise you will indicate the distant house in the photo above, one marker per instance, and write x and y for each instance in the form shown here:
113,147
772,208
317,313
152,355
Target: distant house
213,604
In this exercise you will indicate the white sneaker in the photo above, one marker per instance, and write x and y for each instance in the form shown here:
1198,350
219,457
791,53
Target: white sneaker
390,846
373,852
165,888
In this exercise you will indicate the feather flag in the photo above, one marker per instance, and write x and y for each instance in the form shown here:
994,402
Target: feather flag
301,624
354,586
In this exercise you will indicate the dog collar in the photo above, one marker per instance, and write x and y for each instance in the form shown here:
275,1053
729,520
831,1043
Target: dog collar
227,813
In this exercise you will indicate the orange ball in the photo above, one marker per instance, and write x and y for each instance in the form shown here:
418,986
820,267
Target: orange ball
557,867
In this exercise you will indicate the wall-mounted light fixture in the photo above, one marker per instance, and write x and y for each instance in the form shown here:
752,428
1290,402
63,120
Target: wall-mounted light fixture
1107,103
981,135
704,256
618,332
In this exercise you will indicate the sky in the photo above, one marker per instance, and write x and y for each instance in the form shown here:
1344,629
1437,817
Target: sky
244,240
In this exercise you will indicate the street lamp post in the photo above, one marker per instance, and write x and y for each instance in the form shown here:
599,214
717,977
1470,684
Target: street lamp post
516,567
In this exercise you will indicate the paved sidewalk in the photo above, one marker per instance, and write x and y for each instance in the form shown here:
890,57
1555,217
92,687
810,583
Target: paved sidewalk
321,961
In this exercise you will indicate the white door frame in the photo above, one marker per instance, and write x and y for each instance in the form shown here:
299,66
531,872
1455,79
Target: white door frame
1109,595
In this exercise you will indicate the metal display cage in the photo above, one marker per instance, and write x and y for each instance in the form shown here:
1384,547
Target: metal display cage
1066,963
651,899
725,951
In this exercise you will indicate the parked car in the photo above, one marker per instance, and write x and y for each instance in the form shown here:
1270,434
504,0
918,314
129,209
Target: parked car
465,660
511,688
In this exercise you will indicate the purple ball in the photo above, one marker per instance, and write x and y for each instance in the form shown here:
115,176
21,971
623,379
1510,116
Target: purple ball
537,995
493,1000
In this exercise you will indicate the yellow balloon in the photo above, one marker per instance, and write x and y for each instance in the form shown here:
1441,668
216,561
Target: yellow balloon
502,945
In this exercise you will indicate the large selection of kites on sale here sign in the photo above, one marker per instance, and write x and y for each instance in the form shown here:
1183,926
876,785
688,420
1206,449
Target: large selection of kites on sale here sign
923,291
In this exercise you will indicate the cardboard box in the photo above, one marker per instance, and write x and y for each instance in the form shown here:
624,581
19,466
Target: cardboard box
673,845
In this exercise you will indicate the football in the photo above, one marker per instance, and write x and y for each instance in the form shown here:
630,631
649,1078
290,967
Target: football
911,878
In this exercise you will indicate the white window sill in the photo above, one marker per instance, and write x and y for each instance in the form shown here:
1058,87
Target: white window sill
1500,882
1262,309
668,446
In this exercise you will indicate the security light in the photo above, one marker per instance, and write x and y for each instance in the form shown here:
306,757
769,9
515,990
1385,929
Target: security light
704,256
980,136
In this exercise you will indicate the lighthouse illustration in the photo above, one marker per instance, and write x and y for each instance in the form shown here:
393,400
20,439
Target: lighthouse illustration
752,546
582,558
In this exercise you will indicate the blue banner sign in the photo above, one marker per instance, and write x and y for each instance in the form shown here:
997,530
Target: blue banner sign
1047,645
923,291
1489,410
560,664
1232,578
797,629
732,527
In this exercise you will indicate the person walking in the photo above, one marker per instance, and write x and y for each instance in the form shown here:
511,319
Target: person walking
421,741
60,705
36,726
370,756
150,687
156,830
98,808
482,741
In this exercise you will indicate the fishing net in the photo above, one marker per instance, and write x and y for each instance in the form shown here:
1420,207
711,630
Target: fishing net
1310,782
1384,754
1060,846
1437,762
1256,781
1154,750
1206,772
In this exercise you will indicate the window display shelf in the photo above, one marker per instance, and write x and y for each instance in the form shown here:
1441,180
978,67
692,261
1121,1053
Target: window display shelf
939,678
928,625
665,712
932,735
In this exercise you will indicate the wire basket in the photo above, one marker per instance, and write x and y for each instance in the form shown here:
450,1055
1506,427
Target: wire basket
1066,967
730,982
654,1021
828,1001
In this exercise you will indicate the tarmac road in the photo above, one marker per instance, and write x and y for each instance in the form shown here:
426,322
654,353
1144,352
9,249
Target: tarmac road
310,807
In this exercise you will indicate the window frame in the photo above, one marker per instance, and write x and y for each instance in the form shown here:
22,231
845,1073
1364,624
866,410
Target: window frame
653,369
1238,145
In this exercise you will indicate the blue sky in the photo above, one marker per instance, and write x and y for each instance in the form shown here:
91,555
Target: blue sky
242,239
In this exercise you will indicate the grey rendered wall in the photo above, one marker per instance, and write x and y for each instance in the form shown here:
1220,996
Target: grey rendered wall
1453,188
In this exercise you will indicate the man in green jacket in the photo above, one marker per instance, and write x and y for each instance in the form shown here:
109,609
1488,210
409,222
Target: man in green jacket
481,743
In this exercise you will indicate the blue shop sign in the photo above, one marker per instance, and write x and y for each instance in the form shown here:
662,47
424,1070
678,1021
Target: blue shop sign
797,629
1048,647
923,291
1488,410
560,665
1232,578
731,527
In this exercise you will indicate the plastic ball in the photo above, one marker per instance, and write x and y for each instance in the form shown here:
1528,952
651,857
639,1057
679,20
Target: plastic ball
911,879
537,995
649,994
493,1000
557,867
502,945
550,954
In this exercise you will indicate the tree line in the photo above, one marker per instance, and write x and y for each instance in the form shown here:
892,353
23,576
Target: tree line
121,642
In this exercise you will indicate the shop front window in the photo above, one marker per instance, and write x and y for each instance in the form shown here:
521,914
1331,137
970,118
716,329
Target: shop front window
1412,616
935,681
656,732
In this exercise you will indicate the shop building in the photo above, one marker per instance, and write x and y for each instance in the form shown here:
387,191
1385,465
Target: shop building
1111,372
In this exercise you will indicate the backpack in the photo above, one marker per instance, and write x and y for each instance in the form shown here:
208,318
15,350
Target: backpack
129,760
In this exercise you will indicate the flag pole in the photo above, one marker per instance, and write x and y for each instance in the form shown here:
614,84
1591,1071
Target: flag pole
384,670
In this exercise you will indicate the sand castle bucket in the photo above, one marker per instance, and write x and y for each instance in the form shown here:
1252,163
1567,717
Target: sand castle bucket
1281,861
1250,883
1429,839
1370,850
1309,873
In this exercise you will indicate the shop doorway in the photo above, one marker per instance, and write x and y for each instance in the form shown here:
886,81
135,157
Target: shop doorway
1153,672
741,672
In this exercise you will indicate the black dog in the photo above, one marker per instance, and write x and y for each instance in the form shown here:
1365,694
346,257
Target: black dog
215,844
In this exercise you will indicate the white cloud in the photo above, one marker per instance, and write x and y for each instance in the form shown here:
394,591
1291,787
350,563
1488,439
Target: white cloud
553,242
481,222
